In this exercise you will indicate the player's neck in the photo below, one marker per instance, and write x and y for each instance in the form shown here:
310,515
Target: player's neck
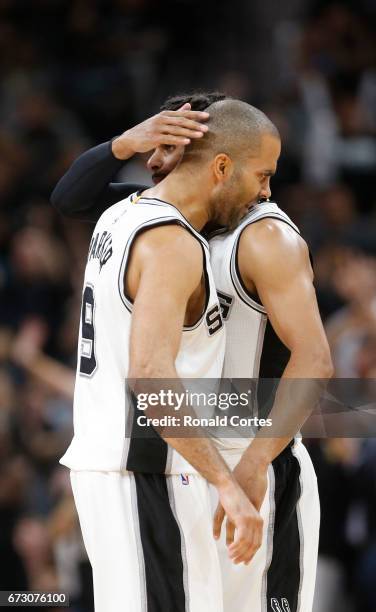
186,195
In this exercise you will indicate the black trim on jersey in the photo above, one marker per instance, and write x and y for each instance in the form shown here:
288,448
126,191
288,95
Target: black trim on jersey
240,280
128,247
216,232
161,544
180,213
207,290
284,572
254,296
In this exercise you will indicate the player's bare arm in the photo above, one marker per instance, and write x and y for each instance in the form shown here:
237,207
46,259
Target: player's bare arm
274,262
168,127
164,279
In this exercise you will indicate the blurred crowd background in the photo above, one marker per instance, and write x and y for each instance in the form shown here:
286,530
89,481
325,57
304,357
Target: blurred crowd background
76,73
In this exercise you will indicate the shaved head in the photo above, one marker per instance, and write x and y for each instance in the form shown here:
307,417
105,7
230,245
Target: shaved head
235,128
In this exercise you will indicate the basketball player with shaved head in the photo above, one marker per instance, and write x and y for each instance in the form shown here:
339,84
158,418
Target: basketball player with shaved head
264,281
150,310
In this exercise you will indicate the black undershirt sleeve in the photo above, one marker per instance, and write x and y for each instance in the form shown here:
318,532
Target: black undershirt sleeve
86,191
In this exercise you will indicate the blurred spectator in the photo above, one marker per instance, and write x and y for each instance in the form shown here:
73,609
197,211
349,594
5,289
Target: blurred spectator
74,74
32,544
351,331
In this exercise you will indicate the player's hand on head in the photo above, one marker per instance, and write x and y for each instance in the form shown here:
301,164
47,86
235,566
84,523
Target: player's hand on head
168,127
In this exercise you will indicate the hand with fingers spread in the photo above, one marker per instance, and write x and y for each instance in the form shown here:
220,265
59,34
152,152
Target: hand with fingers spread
168,127
244,523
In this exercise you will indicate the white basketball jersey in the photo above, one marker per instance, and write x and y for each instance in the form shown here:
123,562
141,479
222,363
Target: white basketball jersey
103,413
253,349
246,318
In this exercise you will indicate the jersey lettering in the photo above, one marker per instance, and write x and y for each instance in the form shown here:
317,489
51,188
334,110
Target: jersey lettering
226,302
101,248
214,320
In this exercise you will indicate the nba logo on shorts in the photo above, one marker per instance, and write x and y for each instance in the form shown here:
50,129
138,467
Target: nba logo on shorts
184,479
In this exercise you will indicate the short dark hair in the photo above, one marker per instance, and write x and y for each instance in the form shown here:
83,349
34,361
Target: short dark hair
199,100
235,128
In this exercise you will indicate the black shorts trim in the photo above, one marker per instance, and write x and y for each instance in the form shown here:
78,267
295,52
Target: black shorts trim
284,573
161,545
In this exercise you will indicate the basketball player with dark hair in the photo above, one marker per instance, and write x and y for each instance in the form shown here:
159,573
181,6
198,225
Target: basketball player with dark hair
264,279
150,311
86,190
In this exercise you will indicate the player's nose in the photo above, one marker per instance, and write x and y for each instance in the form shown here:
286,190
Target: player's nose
154,162
265,193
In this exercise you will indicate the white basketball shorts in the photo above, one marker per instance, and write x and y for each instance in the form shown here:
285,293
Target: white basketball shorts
281,576
149,540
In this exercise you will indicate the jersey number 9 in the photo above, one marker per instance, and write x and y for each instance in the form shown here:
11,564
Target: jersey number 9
88,362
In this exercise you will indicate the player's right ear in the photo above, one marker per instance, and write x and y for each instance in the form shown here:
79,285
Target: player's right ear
222,167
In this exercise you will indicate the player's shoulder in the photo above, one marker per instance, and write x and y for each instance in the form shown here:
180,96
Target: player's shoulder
169,251
169,241
272,233
134,212
173,232
273,241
